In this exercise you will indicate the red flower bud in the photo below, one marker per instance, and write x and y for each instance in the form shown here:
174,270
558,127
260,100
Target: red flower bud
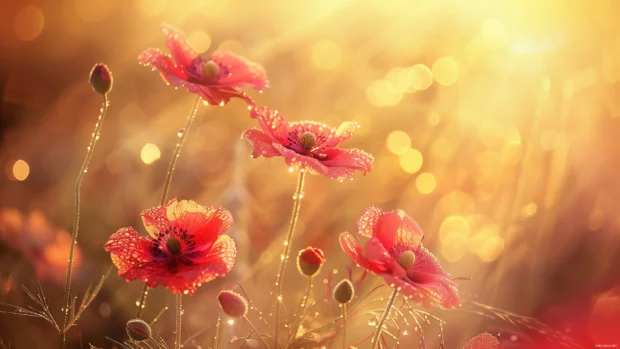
101,78
233,304
344,292
310,260
138,330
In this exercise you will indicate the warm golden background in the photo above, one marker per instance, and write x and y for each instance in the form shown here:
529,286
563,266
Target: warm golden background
493,123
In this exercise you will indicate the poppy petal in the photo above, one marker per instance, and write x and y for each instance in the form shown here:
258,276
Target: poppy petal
483,341
263,144
155,219
169,71
180,49
217,95
132,254
243,72
351,159
342,133
272,123
406,289
398,228
353,248
428,275
368,221
206,223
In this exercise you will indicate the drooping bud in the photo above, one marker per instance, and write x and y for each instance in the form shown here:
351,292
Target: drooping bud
307,140
138,330
210,69
310,260
233,304
344,292
101,78
173,245
406,259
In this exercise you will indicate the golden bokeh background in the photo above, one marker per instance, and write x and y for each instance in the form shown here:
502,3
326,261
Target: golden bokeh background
493,123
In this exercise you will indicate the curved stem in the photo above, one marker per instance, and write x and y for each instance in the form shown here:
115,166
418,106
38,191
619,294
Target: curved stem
255,331
303,305
171,167
179,311
287,247
344,326
76,212
386,313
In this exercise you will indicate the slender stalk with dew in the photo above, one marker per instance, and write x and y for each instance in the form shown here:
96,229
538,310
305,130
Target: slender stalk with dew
171,167
386,313
101,81
179,313
297,196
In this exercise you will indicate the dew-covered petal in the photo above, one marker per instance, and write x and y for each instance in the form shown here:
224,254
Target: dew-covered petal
163,63
398,228
342,133
181,50
155,219
354,250
302,162
368,221
428,275
483,341
217,95
243,72
350,159
407,290
204,223
132,254
272,123
263,144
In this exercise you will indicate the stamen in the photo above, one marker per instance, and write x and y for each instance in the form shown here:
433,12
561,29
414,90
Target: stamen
173,245
406,259
307,140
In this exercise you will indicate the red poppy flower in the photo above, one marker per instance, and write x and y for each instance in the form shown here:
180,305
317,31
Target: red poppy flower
186,246
483,341
310,260
395,252
307,145
215,78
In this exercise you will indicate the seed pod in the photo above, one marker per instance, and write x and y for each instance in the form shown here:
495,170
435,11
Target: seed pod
101,78
138,330
344,292
233,304
310,260
406,259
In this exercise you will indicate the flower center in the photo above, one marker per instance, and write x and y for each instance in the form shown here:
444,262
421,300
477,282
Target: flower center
307,140
173,245
210,69
406,259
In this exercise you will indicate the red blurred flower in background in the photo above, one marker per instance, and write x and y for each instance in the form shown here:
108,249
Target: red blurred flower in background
186,246
44,246
216,78
307,145
395,252
483,341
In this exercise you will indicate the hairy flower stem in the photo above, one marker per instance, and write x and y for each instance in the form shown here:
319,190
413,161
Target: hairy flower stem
177,332
255,331
344,326
299,194
217,330
386,313
76,213
171,166
303,305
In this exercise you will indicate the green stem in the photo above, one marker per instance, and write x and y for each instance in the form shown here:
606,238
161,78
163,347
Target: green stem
76,213
179,311
255,331
287,247
303,305
171,167
386,313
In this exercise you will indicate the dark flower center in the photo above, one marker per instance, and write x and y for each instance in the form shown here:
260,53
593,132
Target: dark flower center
210,69
307,140
173,245
406,259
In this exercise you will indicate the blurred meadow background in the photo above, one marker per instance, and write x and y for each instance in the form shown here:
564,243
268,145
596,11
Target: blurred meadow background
493,123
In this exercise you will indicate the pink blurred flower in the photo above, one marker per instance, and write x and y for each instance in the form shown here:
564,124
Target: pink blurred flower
216,78
43,245
186,246
395,252
307,145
